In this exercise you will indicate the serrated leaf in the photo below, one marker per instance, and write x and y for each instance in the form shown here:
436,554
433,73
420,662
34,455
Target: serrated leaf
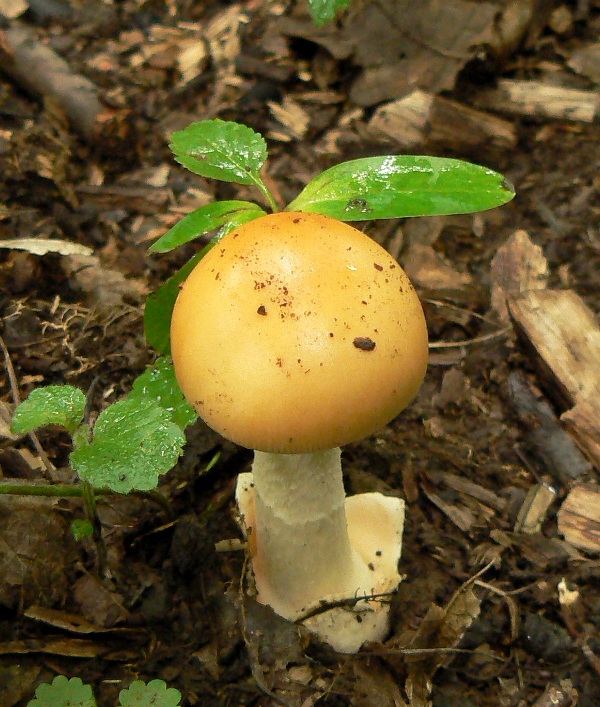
323,11
205,219
220,149
63,693
134,441
155,693
397,186
159,383
61,405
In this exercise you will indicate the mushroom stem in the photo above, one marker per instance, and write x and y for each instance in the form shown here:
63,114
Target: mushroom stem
302,552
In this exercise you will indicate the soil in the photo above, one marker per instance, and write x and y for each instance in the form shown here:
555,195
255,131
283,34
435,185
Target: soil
477,619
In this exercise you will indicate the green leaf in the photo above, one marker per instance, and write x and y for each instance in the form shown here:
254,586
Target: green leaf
399,186
159,383
220,149
323,11
81,529
159,306
134,442
63,693
61,405
155,692
205,219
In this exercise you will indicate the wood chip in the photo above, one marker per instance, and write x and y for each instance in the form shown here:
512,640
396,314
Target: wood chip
424,120
579,518
428,269
536,99
563,335
518,266
586,61
534,511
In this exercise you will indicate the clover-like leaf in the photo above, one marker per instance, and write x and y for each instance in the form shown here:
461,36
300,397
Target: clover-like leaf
397,186
323,11
61,405
205,219
63,692
134,441
220,149
159,383
156,693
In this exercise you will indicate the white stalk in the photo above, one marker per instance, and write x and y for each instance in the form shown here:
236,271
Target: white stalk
303,552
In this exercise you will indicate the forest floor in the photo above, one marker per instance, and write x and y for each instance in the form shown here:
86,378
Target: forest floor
500,604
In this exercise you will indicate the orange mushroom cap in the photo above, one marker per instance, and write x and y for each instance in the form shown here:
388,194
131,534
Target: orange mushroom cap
298,333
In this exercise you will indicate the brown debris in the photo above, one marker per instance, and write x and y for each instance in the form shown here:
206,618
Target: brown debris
538,100
579,518
43,73
564,336
431,122
518,266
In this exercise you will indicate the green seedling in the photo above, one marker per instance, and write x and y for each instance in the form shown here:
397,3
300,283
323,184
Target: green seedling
392,186
64,692
131,444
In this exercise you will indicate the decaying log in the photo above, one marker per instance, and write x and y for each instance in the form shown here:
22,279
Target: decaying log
536,99
563,335
422,119
579,517
546,440
44,74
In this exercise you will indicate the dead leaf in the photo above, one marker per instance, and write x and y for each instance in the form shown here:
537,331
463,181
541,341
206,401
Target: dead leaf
41,246
99,604
441,628
428,269
106,288
34,557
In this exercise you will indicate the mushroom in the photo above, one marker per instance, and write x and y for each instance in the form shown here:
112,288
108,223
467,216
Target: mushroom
294,335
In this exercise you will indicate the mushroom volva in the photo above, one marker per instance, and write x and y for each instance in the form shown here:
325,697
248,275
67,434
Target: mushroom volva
294,335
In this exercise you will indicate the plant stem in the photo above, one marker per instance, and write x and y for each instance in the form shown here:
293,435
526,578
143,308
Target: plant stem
69,491
90,506
267,194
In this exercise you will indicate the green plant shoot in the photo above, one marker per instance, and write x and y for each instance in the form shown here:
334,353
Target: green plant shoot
385,187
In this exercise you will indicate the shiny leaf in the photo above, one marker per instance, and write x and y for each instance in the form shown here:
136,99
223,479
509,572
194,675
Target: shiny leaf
61,405
134,442
400,186
159,383
205,219
220,149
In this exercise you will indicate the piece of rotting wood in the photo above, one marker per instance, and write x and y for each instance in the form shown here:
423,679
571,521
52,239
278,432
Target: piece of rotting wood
534,510
579,517
536,99
42,73
422,119
545,438
563,336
